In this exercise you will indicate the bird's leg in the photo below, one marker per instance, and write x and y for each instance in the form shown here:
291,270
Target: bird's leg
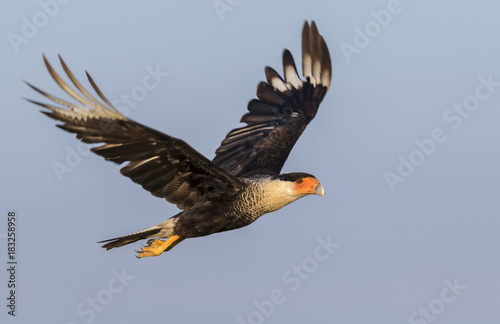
157,247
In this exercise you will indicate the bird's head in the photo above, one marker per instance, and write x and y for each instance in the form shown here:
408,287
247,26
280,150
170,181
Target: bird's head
302,184
286,188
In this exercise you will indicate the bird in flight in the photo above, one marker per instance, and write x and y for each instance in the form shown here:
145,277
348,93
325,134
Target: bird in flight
242,182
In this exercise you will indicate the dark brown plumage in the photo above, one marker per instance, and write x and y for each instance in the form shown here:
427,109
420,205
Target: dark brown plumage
242,182
282,111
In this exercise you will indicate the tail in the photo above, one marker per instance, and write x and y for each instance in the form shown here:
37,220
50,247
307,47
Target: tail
130,238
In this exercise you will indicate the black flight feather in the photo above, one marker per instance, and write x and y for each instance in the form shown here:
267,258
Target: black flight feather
282,111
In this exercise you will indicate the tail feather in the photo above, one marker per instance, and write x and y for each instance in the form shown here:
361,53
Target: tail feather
130,238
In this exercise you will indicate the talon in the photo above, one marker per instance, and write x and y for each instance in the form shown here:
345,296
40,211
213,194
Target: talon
156,247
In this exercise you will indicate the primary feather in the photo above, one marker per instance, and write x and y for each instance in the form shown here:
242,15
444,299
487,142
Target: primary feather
282,111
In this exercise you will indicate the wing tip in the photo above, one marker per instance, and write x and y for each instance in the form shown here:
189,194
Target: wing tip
316,61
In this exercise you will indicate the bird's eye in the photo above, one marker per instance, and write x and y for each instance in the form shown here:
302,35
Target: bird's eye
299,181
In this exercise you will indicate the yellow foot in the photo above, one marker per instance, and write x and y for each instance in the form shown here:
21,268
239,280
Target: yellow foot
157,247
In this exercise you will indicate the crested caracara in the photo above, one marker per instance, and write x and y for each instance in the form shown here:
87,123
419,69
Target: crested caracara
242,182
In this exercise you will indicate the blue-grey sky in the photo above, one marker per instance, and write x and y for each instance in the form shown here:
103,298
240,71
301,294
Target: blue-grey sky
405,144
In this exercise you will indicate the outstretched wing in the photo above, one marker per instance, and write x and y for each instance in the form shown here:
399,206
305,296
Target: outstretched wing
282,111
167,167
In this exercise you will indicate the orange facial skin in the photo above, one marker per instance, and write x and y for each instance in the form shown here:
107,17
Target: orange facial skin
308,186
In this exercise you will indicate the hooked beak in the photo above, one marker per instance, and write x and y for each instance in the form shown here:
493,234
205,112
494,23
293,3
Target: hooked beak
319,190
